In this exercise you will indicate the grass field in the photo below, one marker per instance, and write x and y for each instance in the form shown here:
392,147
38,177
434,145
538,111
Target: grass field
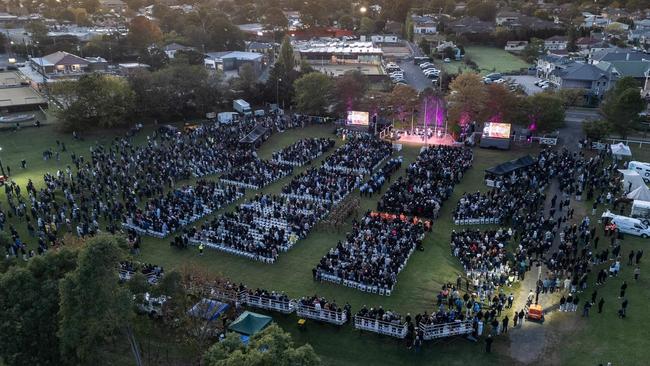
585,342
488,59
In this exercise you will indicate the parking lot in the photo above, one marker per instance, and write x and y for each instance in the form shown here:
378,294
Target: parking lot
414,76
527,82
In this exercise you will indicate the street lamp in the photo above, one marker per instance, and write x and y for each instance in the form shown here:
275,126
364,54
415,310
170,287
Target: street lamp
363,10
2,169
277,92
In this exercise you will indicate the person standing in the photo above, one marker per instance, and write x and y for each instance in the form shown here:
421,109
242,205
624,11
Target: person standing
488,343
637,273
639,253
623,288
593,296
521,317
630,258
623,311
201,249
585,309
562,302
514,320
504,325
600,305
576,301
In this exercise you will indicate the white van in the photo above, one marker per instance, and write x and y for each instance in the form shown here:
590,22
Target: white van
629,225
642,168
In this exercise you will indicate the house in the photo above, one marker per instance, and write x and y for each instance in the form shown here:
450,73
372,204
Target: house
556,43
233,60
424,25
115,6
548,63
645,91
470,25
129,68
642,36
577,75
585,43
171,49
384,38
260,47
59,64
643,24
594,21
617,54
507,16
620,69
515,46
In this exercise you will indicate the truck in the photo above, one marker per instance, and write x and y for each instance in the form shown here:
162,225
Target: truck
242,106
226,117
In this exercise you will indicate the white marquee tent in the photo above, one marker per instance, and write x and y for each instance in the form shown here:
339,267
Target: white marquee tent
619,150
631,180
642,193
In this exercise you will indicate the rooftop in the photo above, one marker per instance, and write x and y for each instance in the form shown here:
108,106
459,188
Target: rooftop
239,55
580,71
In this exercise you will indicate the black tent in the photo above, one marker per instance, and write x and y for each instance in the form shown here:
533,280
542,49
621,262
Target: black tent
254,135
511,166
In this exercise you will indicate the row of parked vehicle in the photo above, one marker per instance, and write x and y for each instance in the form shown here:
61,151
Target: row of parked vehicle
430,71
544,84
395,73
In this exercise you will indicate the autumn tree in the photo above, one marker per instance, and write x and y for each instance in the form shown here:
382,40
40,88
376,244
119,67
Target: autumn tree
502,105
404,102
349,91
467,98
545,111
143,32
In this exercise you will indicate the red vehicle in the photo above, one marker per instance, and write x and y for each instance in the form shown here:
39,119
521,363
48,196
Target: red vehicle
535,313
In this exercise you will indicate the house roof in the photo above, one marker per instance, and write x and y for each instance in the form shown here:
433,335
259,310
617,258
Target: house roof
59,58
507,13
112,3
580,71
176,47
557,39
239,55
587,41
471,25
635,69
259,46
618,54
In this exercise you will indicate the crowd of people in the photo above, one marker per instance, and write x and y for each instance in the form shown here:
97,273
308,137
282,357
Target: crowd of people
303,151
429,181
153,273
379,178
169,212
490,207
372,254
257,174
361,155
322,185
261,228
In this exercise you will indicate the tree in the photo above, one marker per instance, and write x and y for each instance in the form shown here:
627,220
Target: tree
622,106
545,111
245,83
272,346
29,299
93,305
274,19
596,130
349,91
501,105
367,26
532,50
38,30
404,101
190,57
94,101
313,14
286,57
313,93
346,22
143,32
425,46
467,98
572,97
485,10
572,35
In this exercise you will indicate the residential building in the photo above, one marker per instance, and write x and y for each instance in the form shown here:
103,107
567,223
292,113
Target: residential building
594,20
515,46
506,16
585,43
576,75
470,25
645,91
231,61
260,47
424,25
556,43
620,69
548,63
384,39
66,65
116,6
643,24
171,49
617,54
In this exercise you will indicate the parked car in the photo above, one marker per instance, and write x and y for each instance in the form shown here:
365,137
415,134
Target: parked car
628,225
447,60
426,65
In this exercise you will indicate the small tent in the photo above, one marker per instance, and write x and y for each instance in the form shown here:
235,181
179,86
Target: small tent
249,323
631,180
619,150
511,166
642,193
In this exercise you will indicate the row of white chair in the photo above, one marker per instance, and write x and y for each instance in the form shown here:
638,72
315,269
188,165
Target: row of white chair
480,221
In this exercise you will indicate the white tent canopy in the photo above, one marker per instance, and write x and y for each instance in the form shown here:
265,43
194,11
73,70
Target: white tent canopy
631,180
620,149
642,193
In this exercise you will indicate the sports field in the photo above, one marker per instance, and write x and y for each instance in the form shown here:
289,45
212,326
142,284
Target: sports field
566,338
488,59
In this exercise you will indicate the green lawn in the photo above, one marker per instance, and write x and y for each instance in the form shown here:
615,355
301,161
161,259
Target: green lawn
596,341
488,59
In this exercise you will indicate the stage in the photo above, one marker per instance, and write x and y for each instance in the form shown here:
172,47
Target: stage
418,139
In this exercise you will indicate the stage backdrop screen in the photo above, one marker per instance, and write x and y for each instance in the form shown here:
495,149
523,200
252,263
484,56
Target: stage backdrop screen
358,118
496,130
